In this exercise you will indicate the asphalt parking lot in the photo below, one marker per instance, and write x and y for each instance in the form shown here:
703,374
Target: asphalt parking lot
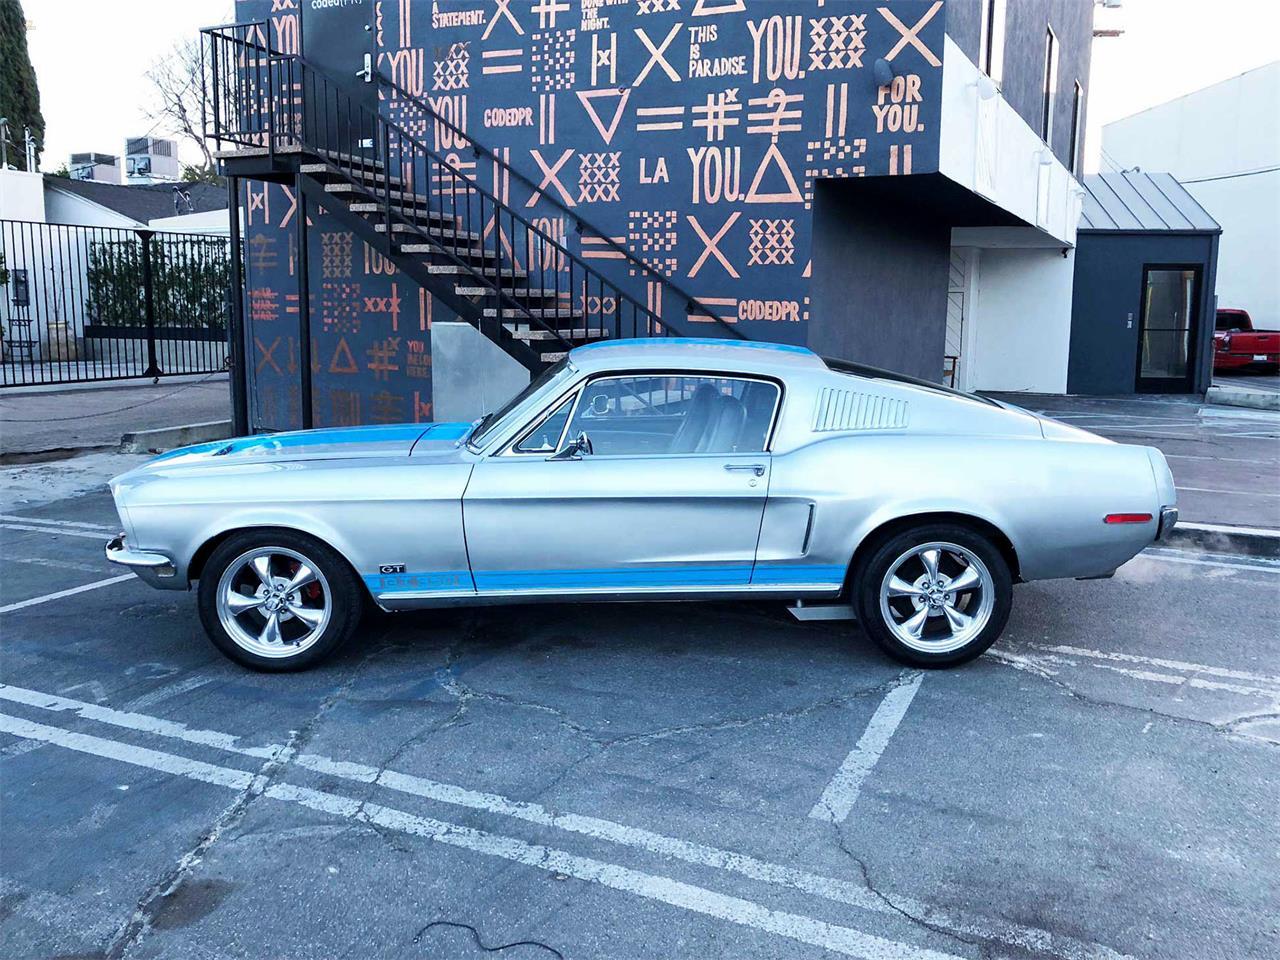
637,781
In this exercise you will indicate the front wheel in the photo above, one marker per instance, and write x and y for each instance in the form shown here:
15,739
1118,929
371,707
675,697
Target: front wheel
276,600
936,595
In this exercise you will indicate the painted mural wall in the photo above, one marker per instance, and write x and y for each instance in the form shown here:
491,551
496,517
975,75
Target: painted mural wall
693,132
370,325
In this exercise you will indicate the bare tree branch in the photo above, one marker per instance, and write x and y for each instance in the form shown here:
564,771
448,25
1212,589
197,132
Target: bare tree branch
176,82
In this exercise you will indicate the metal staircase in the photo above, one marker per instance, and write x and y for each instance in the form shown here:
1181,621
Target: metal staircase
276,117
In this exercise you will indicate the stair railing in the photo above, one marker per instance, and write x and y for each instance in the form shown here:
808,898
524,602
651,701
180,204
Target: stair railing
255,97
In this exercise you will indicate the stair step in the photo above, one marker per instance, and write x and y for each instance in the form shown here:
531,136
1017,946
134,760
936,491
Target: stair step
469,252
519,293
451,233
448,269
577,333
540,313
369,206
555,357
357,187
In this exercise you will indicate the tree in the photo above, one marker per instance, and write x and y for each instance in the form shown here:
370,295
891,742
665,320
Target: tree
193,174
176,83
19,91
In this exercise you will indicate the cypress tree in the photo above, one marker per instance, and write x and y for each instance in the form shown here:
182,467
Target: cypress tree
19,92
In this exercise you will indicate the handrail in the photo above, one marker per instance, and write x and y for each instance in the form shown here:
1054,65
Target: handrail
582,222
382,128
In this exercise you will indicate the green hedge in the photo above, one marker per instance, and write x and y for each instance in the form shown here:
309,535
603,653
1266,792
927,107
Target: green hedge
190,278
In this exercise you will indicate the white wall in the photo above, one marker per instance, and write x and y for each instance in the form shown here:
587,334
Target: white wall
1227,131
62,207
21,196
213,222
986,147
1018,330
470,374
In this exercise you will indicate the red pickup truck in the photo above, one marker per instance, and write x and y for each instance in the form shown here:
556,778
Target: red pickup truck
1236,344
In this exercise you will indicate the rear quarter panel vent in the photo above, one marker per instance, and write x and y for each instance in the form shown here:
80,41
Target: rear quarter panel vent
840,410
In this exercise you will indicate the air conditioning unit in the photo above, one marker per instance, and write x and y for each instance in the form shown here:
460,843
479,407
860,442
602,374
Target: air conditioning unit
151,160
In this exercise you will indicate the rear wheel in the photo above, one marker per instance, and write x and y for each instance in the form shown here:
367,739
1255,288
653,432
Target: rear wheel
936,595
276,600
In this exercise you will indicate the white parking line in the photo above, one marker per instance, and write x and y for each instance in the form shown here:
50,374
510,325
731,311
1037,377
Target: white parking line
842,792
827,936
57,531
20,604
1242,493
637,838
59,523
1168,556
1182,665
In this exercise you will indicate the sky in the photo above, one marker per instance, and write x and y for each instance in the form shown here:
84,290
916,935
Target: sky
91,56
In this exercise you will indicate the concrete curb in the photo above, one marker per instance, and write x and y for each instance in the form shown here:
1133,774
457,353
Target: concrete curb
166,438
1254,399
1222,538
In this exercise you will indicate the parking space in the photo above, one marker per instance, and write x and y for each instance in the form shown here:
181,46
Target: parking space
635,781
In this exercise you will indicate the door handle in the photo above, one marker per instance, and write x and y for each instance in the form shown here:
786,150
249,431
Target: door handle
756,468
366,72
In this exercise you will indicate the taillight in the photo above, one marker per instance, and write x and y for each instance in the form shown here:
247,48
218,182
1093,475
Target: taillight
1127,518
1225,343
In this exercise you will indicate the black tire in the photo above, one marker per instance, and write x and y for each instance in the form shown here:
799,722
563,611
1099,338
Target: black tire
868,581
338,585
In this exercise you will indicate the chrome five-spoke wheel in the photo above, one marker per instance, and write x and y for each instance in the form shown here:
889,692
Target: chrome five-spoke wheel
936,597
935,594
273,601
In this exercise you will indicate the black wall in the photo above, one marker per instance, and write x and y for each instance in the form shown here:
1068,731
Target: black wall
879,290
1108,288
1023,75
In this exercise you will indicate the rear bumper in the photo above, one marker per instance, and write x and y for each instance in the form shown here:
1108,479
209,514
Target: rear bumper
1168,520
153,568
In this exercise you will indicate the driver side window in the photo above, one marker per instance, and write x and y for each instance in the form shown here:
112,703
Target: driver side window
675,414
545,436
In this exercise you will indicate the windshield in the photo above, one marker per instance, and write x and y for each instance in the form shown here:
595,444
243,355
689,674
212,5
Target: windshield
489,424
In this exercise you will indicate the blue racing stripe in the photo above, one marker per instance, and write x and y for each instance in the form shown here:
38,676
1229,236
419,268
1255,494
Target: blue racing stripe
691,575
784,573
426,581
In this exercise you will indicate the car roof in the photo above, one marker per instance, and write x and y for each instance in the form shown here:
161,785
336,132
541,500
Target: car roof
698,353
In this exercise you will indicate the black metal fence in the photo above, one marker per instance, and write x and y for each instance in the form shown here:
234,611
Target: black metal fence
102,303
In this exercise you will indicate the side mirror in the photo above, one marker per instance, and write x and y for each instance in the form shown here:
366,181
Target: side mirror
575,449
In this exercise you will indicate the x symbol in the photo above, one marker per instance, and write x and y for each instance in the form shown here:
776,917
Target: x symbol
909,36
656,55
267,355
549,177
504,9
710,247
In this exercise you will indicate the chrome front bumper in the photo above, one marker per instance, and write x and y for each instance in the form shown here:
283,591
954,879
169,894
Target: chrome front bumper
154,568
1168,520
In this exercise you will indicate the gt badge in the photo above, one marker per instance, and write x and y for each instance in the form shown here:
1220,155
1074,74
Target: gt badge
389,568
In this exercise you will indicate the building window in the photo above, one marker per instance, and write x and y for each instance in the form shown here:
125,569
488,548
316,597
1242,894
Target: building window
1050,84
991,40
1077,114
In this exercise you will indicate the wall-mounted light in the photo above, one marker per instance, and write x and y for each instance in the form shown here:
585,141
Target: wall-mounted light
986,87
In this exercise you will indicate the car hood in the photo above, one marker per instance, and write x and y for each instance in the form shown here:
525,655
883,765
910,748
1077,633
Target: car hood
339,443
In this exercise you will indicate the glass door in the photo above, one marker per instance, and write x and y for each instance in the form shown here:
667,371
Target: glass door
1169,328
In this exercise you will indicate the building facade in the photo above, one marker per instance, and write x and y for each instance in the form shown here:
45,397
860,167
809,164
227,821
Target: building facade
885,182
1223,144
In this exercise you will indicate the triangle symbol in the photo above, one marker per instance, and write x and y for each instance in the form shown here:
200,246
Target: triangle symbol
792,195
342,353
711,8
586,96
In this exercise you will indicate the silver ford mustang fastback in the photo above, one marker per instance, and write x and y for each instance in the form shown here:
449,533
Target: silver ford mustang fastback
650,469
